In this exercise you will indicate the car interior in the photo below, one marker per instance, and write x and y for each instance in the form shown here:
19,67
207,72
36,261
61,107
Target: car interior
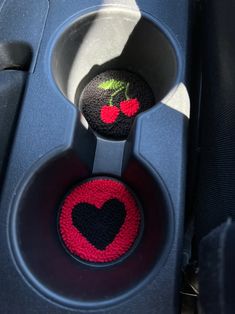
117,156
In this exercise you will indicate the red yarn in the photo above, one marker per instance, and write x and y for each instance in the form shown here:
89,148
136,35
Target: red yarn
96,192
109,114
130,107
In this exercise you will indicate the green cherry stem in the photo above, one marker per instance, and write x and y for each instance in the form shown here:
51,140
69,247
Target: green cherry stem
124,87
114,94
126,91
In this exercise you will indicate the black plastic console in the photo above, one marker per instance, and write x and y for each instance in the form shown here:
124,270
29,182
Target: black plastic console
71,42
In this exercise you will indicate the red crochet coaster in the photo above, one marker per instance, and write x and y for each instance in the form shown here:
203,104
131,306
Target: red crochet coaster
99,220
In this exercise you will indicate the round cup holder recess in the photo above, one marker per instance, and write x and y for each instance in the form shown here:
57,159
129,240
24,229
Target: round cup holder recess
113,39
43,261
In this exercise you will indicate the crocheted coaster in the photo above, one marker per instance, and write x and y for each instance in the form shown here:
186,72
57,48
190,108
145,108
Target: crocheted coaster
111,101
99,220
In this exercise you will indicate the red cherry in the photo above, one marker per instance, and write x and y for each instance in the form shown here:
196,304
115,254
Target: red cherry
109,114
130,107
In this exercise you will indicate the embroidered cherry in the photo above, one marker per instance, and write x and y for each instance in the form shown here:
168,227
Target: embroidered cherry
109,114
130,107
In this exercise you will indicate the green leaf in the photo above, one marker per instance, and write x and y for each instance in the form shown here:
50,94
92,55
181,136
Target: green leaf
111,84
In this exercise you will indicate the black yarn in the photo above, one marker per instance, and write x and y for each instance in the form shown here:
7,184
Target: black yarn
99,225
93,99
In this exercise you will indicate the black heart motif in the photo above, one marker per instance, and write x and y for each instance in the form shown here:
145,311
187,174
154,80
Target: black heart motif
99,225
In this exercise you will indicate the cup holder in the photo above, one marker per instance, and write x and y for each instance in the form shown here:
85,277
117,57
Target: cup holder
42,259
113,39
108,39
